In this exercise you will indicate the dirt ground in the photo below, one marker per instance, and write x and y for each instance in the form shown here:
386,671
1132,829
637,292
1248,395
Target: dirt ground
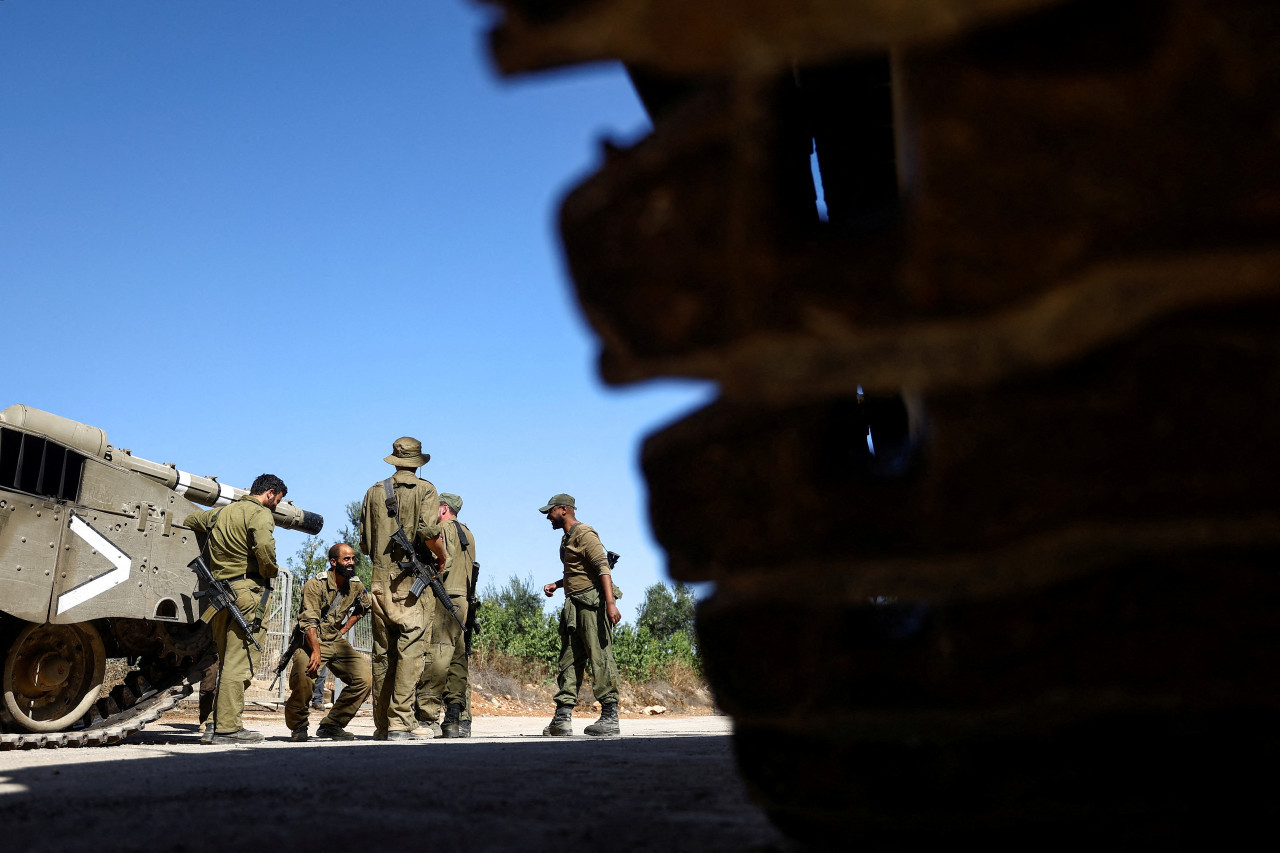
669,783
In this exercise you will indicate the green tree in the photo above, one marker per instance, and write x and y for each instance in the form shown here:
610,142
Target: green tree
666,611
351,536
310,560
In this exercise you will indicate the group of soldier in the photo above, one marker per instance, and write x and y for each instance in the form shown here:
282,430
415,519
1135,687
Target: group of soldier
419,663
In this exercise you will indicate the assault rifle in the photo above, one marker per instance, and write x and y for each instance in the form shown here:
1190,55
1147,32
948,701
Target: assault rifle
425,575
220,596
473,607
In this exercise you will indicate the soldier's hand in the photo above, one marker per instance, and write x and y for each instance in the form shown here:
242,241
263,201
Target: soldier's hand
313,666
615,615
549,590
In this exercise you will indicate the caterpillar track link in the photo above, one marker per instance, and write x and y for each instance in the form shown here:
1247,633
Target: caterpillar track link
125,711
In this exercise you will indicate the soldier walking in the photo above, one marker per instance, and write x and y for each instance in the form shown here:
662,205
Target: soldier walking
586,622
401,622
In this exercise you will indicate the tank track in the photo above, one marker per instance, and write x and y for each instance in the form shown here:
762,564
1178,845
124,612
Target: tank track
124,712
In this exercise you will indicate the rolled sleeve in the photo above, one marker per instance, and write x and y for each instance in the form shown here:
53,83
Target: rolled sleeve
594,552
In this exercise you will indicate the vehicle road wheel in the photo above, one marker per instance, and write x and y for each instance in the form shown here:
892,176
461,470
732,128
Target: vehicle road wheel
52,674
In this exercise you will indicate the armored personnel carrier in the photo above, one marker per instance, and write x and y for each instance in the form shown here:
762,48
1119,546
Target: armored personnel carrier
94,561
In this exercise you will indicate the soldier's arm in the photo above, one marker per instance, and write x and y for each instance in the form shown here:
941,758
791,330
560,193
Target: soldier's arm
436,546
199,521
598,558
264,542
594,552
606,585
363,604
429,525
313,645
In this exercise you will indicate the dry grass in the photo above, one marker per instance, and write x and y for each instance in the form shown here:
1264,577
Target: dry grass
503,680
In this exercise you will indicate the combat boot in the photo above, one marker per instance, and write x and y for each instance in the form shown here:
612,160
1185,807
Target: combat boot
328,731
299,734
239,736
464,728
206,736
561,724
449,728
607,724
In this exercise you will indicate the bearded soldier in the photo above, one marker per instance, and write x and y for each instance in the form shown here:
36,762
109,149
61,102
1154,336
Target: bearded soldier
331,604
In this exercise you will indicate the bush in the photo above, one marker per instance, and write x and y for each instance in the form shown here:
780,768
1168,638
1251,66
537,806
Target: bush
516,635
520,639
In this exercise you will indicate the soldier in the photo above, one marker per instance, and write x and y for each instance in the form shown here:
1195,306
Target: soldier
445,674
401,623
238,538
586,623
331,604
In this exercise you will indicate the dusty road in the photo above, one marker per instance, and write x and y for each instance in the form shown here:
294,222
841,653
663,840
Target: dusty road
668,783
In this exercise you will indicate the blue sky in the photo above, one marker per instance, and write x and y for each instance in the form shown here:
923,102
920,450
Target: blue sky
274,236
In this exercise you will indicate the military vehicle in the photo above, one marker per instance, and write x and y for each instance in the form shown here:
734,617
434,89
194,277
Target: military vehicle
94,565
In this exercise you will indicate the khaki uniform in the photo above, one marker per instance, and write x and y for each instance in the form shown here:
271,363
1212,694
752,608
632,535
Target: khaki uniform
242,549
321,595
586,634
401,624
444,678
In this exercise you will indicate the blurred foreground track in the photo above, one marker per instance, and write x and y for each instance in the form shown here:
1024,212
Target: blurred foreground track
1041,612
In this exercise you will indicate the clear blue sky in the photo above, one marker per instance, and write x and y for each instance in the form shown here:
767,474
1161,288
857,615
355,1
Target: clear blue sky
274,236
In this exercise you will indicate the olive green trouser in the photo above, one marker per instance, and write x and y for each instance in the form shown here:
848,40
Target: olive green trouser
446,638
590,641
399,651
237,659
457,688
347,664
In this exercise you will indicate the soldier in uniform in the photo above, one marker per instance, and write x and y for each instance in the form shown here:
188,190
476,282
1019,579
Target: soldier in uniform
445,675
401,623
242,549
331,604
586,623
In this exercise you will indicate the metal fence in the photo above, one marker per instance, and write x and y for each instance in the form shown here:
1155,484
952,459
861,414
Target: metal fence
279,624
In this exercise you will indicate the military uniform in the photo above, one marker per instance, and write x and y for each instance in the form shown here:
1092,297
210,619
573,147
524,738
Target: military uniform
242,550
401,623
586,634
324,608
445,678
